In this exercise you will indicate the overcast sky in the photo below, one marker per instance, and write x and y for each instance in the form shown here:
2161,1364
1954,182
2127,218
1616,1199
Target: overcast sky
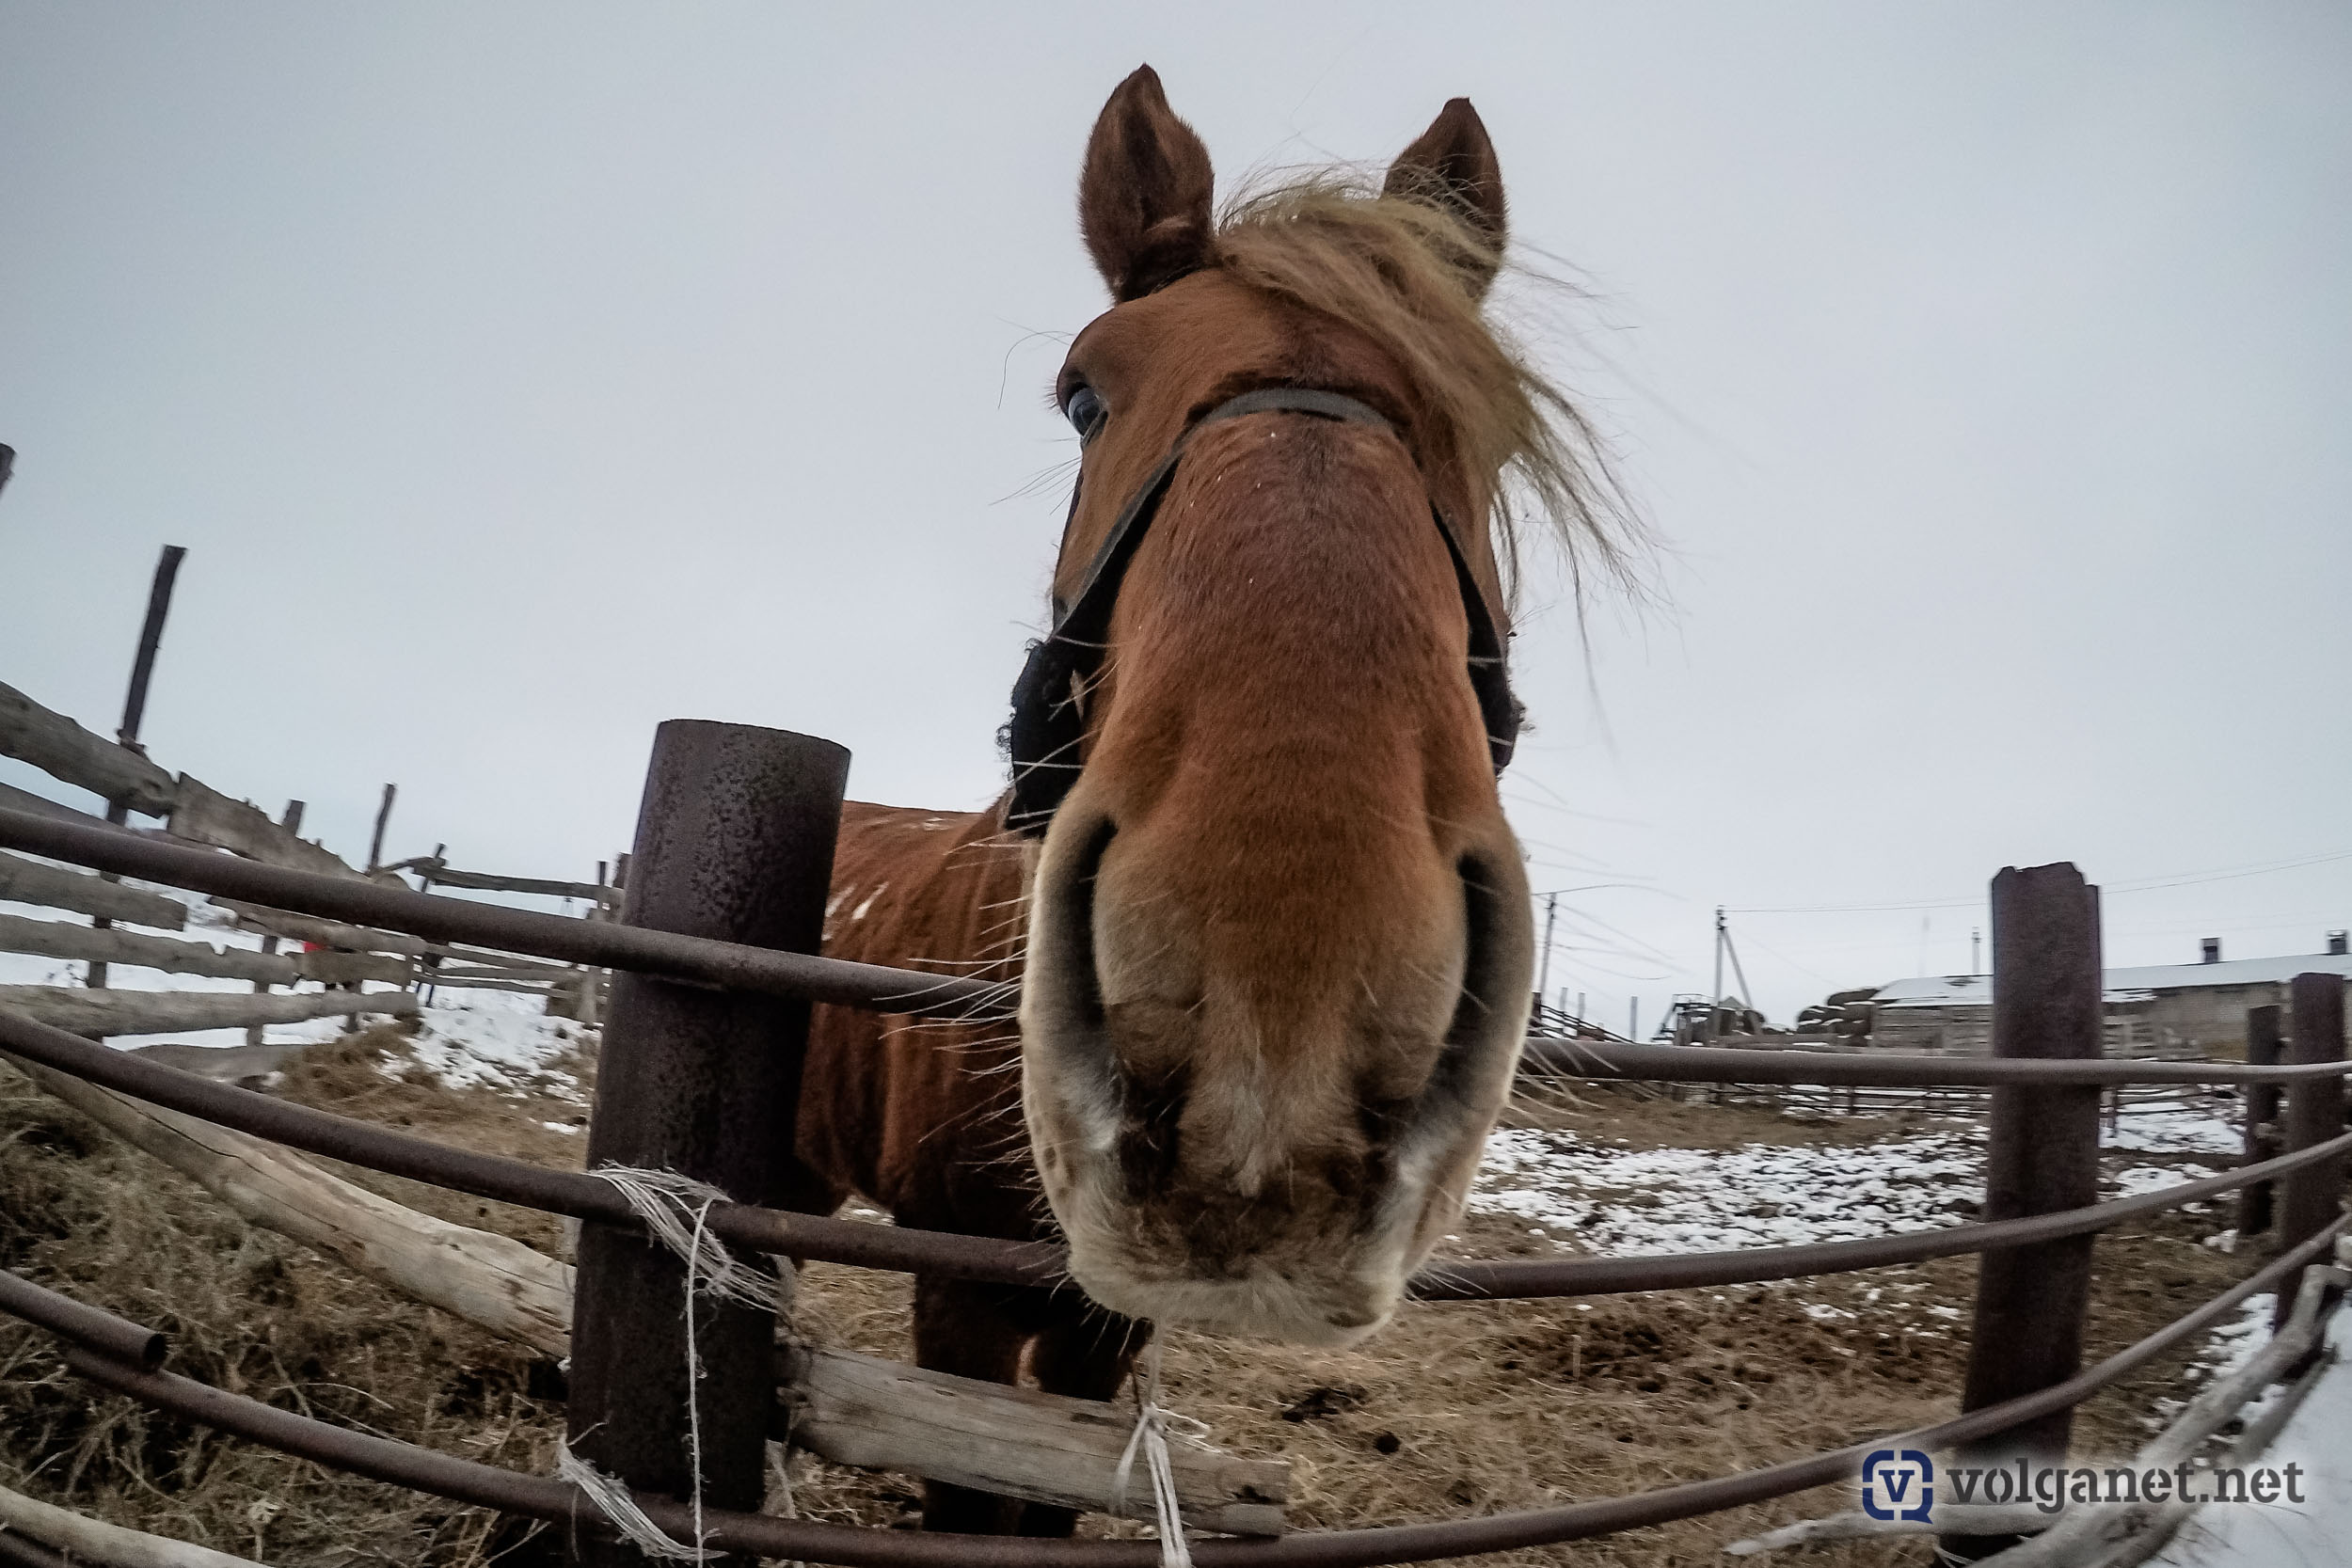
520,376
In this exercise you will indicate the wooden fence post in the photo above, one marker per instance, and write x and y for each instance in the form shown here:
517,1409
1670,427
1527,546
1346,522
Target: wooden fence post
2041,1155
2261,1116
2312,1197
734,842
134,701
292,823
383,820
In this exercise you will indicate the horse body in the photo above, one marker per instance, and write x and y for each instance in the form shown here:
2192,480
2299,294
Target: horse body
1268,928
923,1119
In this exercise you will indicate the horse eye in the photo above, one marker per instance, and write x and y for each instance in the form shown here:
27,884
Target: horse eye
1086,412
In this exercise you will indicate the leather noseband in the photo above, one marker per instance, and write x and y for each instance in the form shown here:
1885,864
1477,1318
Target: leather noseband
1048,725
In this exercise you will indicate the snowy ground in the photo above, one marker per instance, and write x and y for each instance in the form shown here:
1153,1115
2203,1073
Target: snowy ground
207,923
1606,1196
468,1039
2317,1437
1597,1195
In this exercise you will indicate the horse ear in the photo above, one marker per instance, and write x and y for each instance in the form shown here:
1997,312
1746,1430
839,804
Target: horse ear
1143,200
1453,165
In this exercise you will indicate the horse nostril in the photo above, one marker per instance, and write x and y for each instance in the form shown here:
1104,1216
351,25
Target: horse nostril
1452,1080
1070,933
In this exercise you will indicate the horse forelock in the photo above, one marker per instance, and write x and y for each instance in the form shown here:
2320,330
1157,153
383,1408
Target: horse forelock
1408,274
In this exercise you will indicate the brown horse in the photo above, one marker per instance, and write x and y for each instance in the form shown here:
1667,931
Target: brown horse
1268,924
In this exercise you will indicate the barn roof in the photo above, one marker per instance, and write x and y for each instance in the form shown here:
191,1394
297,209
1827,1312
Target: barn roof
2122,984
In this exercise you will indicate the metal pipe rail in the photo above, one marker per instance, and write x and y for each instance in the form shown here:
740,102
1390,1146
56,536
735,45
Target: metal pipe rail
1711,1063
518,1181
465,1481
698,962
686,961
69,1320
976,1258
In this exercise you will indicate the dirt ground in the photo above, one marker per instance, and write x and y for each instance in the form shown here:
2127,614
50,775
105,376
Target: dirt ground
1455,1409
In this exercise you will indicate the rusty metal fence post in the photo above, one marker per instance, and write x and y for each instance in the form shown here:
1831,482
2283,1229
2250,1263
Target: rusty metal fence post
2041,1155
2262,1118
735,841
2312,1197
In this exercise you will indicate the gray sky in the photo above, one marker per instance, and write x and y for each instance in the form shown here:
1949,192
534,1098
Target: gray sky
521,376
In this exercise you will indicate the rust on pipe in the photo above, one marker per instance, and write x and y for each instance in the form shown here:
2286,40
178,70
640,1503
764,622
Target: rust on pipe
464,1481
664,955
735,841
83,1324
978,1258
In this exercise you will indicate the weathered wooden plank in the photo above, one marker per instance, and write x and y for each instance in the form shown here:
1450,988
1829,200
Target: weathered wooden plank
40,805
328,933
65,750
343,969
545,974
484,882
55,938
98,1013
203,814
461,982
862,1410
853,1409
82,1539
486,1278
24,881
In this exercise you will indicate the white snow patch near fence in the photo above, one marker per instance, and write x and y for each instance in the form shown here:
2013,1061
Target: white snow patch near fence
498,1040
1615,1199
2317,1437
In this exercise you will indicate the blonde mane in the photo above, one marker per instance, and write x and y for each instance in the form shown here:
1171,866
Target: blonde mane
1402,269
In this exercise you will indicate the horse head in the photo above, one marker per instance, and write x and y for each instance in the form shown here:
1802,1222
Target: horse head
1281,943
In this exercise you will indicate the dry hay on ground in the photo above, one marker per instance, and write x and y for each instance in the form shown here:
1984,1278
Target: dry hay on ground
1454,1409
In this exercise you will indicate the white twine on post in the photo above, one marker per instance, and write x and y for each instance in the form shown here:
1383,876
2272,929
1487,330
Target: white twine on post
677,1211
1153,1423
614,1501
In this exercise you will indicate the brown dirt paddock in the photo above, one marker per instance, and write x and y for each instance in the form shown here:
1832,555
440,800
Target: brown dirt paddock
1455,1410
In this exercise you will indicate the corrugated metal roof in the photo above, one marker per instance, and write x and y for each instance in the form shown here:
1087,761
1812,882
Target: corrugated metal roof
2122,984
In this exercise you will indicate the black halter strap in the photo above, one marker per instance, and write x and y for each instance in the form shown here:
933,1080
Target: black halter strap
1048,723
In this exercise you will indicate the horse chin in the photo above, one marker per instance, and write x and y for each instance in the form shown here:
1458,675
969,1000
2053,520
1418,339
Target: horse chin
1326,1289
1265,1304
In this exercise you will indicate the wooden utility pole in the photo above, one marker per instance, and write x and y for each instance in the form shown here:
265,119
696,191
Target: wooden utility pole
134,704
1715,997
1543,970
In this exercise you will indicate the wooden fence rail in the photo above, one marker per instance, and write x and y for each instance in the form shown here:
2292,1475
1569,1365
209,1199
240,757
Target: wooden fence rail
24,881
101,1013
194,811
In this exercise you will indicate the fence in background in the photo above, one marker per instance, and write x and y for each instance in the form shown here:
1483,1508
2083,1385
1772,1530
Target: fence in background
343,958
703,829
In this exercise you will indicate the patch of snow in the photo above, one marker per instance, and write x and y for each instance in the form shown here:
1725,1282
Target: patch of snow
2214,1128
2135,1179
497,1040
2318,1438
1624,1200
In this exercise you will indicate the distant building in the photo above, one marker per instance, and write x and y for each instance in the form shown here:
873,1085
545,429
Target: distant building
2164,1010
